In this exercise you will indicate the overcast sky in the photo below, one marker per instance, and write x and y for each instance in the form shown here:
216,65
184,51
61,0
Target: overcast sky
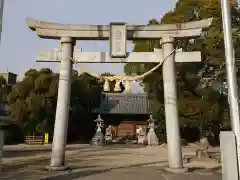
19,44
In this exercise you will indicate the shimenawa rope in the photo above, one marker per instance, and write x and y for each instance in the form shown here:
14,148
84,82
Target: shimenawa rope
121,78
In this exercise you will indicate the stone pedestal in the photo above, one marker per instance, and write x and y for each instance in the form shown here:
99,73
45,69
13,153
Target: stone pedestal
1,147
152,138
98,139
141,139
201,154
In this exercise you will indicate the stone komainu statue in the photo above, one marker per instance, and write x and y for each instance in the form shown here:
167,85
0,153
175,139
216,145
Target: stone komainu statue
204,146
109,133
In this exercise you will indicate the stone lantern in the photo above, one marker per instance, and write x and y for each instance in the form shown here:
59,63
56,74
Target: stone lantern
99,139
151,135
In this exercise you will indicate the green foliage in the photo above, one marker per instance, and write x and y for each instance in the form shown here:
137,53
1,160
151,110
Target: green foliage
86,92
197,101
34,99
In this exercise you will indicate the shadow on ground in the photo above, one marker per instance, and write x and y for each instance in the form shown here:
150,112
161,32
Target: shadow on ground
84,172
204,170
71,175
87,166
32,152
29,152
46,159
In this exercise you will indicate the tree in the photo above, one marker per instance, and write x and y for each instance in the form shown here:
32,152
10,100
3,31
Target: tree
198,84
86,92
86,95
34,99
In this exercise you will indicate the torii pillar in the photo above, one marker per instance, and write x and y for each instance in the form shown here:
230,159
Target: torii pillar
171,105
121,33
63,101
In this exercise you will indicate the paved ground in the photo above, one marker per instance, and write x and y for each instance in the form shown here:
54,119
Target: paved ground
115,162
23,150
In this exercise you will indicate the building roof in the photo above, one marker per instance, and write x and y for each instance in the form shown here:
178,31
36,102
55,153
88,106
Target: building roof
13,74
6,121
120,103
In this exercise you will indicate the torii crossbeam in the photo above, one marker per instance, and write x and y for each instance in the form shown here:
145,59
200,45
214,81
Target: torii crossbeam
104,57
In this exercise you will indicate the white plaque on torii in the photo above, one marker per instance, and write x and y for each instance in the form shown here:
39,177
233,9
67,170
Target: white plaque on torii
118,40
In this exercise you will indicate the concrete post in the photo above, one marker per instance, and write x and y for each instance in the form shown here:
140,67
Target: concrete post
1,17
229,158
1,147
171,106
62,111
230,60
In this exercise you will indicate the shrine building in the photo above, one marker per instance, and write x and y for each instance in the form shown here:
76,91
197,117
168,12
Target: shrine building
125,112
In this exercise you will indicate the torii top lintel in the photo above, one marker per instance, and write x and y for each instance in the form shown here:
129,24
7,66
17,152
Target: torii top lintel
51,30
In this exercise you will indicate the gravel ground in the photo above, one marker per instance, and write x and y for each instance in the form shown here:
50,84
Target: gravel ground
97,163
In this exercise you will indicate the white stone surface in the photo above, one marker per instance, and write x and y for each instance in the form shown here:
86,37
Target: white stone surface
229,155
118,40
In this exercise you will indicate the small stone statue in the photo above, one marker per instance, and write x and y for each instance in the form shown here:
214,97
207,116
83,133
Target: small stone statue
151,136
109,135
141,135
99,139
204,146
138,130
109,130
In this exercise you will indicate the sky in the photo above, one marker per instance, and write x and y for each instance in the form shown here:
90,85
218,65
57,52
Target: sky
19,45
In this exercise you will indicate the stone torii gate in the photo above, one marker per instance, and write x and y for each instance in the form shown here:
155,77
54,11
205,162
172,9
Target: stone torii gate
118,33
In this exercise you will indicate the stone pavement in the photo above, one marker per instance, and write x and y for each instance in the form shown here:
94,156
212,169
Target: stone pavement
111,174
110,162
